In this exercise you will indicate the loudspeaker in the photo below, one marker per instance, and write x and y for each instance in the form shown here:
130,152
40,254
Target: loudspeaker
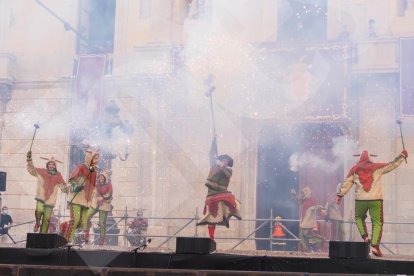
35,240
348,250
194,245
3,176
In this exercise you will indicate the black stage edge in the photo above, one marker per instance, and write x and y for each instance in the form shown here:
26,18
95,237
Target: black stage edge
215,261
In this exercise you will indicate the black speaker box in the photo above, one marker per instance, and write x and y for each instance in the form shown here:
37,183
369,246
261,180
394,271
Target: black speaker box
35,240
348,250
3,176
195,245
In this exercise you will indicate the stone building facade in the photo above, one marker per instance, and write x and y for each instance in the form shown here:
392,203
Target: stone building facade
159,60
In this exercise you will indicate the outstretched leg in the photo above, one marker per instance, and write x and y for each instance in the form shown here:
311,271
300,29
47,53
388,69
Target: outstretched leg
377,219
91,213
102,226
361,209
75,217
38,215
211,230
47,212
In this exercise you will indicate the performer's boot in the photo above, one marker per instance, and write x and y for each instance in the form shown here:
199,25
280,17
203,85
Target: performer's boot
36,227
38,216
367,239
211,230
101,241
87,235
376,251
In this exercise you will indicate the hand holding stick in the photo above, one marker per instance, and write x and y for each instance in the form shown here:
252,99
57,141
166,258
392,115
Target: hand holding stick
399,122
36,126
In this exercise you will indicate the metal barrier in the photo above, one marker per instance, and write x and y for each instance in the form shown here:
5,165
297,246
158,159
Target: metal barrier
269,224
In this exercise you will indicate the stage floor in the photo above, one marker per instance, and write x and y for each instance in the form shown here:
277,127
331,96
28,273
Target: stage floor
222,260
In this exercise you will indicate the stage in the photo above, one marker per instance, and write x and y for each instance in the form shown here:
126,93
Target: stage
152,261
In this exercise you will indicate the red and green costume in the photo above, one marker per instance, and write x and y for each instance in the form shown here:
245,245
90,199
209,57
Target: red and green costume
309,212
220,204
48,184
366,176
82,181
101,204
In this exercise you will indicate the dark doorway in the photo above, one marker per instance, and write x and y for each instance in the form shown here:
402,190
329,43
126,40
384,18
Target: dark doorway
275,180
277,175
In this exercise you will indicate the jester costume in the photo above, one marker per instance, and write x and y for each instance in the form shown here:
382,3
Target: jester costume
82,182
334,216
309,211
367,175
49,181
138,228
220,204
101,203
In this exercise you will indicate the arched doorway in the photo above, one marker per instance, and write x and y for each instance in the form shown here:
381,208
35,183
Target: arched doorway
293,157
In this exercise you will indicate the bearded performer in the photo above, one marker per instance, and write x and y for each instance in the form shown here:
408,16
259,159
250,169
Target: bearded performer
49,181
82,181
101,202
220,204
367,175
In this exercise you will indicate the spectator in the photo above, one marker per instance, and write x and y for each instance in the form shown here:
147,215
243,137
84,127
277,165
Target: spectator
5,222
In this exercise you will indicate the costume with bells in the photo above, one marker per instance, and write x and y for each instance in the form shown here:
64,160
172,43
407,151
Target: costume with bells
220,204
366,176
49,181
101,202
82,181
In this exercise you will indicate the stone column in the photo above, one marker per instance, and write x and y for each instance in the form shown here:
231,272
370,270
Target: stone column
5,95
6,21
6,84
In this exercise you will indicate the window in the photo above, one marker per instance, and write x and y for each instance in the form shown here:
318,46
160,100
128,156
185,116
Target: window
302,20
96,26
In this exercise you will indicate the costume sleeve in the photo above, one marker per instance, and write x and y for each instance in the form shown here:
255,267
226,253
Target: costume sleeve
63,186
346,186
227,171
393,165
108,194
31,168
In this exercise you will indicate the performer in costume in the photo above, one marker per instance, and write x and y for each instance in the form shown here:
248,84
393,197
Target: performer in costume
308,233
49,181
101,202
220,204
82,181
334,215
367,175
138,228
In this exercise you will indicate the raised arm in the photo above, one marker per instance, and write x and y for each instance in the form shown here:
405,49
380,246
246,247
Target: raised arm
394,164
213,151
30,166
